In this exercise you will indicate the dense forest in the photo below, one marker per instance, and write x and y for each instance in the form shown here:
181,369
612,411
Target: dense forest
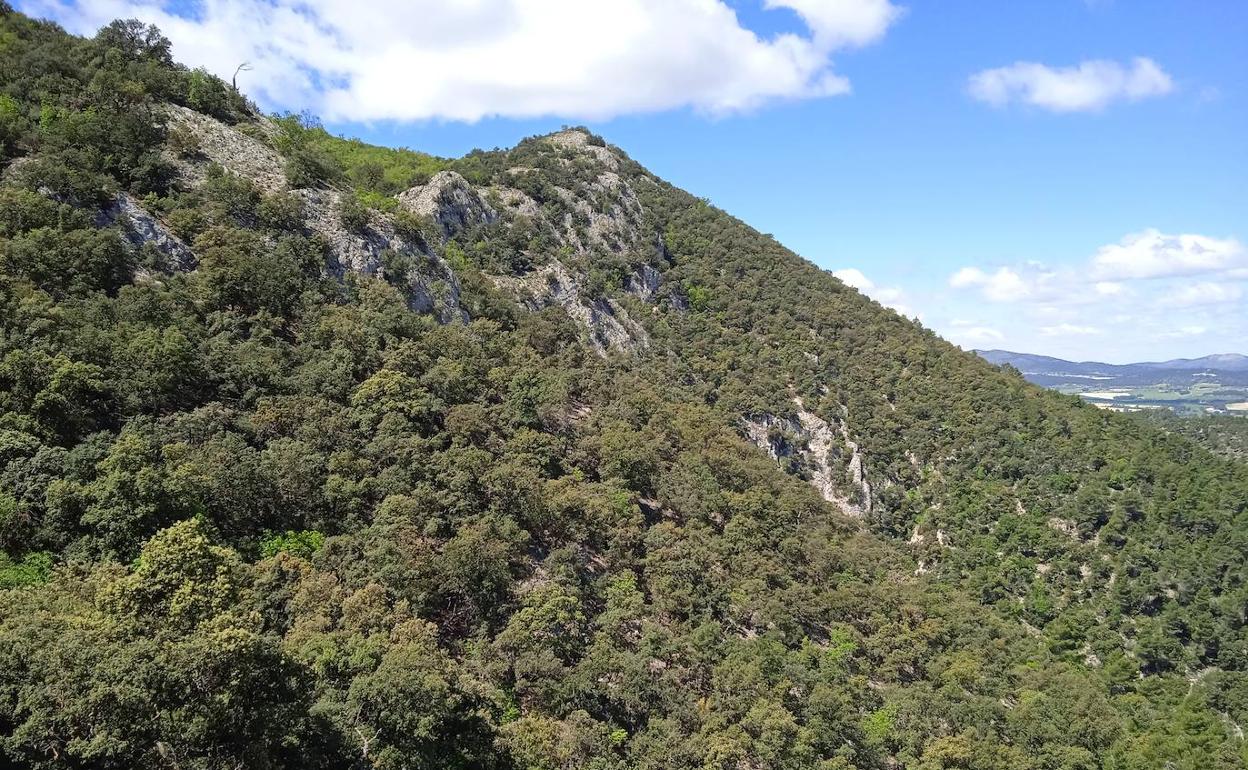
318,454
1222,434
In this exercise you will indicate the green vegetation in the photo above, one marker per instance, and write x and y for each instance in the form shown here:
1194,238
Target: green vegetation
380,171
257,514
1222,434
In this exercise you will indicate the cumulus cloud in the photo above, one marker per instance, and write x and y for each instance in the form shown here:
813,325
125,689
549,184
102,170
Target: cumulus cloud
852,276
1003,285
1091,85
889,296
421,59
1204,293
1148,286
1153,254
970,334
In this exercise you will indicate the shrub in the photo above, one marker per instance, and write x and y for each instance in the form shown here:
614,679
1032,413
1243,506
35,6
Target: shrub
414,227
280,211
183,142
303,543
353,214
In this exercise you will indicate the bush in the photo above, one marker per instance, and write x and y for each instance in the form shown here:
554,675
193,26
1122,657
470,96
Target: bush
307,168
207,93
414,227
353,214
183,142
303,543
32,569
281,211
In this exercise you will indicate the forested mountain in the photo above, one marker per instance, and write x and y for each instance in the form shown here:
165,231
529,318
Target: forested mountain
317,454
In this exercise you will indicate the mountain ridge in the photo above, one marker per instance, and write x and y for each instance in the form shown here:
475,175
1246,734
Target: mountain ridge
1227,361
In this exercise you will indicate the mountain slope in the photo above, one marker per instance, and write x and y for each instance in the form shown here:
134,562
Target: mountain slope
320,454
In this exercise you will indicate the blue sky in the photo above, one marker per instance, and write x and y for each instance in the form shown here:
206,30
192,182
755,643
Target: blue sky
1064,177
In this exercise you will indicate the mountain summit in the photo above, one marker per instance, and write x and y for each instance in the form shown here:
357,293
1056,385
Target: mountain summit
321,454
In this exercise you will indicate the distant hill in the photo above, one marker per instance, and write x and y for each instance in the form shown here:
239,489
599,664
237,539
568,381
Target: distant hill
1215,384
1229,368
1231,362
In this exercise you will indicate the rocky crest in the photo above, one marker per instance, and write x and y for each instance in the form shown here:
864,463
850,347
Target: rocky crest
609,326
429,283
450,201
229,148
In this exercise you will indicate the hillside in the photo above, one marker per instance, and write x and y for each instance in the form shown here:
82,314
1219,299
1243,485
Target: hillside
314,454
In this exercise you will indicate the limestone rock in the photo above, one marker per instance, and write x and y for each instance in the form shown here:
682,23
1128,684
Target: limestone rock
140,227
229,148
450,201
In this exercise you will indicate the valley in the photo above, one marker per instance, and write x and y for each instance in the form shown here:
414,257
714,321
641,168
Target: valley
1210,385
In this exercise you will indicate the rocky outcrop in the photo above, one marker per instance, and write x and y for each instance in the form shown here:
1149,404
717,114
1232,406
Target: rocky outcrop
430,284
644,283
602,216
229,148
607,324
450,201
814,445
141,228
581,141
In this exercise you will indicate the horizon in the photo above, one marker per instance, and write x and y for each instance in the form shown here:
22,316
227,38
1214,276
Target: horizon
1111,363
1065,178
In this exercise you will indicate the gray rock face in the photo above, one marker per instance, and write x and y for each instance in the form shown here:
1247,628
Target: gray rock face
429,282
644,284
818,448
609,326
605,217
602,217
450,201
229,148
140,228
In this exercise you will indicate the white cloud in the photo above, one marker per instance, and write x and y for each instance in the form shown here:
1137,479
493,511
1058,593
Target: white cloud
1068,330
1204,293
1091,85
1153,254
1005,285
964,333
1185,331
851,276
420,59
841,22
889,296
1136,295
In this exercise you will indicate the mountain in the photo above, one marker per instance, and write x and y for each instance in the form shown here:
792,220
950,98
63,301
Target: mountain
1026,362
1226,368
320,454
1229,362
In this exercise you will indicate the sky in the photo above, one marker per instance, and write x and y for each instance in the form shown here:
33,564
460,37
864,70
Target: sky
1064,177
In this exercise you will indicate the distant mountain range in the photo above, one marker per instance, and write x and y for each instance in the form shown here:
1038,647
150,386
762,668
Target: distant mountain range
1227,368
